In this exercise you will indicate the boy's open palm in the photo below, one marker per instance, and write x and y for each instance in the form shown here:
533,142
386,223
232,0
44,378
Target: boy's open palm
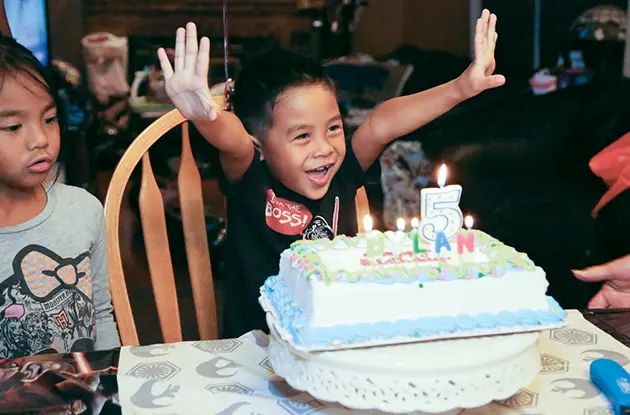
479,75
187,85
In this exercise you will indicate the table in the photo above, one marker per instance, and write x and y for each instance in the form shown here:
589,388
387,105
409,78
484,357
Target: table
233,376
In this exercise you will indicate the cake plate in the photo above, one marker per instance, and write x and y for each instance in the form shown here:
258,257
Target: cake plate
427,377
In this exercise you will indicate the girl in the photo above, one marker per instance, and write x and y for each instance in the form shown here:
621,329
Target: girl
54,291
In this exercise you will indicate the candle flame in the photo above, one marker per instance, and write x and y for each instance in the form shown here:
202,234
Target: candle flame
400,224
442,176
367,223
415,223
469,222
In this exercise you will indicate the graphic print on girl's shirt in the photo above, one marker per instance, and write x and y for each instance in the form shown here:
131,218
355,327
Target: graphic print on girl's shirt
46,305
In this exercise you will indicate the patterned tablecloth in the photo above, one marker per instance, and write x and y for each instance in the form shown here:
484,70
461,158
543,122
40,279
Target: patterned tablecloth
234,377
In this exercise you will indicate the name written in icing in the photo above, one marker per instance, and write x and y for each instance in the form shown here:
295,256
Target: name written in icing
388,258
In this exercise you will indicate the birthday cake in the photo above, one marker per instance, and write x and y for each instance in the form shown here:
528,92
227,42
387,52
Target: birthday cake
360,291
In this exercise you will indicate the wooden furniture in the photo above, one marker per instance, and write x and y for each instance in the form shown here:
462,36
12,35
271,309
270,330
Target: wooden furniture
626,59
156,238
363,207
5,29
246,18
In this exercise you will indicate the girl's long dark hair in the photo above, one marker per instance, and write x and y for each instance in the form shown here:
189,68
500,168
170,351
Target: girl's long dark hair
16,60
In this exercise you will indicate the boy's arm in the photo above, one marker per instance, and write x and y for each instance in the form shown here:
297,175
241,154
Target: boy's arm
228,135
187,87
403,115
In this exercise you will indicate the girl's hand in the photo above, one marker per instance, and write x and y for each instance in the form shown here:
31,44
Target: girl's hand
479,75
187,86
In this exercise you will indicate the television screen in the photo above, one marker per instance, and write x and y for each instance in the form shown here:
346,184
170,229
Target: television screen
29,26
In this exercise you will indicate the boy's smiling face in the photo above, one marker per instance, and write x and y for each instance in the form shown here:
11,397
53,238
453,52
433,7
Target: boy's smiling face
305,144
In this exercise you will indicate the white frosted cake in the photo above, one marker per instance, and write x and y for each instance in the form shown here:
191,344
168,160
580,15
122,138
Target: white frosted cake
339,294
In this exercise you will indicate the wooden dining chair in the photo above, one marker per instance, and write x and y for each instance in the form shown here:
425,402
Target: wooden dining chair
156,242
153,220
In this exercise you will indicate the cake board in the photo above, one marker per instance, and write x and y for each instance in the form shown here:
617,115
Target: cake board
424,377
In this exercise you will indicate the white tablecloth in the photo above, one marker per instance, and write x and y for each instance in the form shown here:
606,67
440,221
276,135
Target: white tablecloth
233,377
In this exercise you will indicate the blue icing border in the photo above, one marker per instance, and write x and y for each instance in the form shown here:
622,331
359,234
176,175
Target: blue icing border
292,319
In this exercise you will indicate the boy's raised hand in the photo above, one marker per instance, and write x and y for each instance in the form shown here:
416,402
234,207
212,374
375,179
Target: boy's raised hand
187,86
479,75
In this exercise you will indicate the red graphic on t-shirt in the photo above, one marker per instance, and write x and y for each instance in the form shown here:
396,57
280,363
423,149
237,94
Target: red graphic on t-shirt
285,217
61,319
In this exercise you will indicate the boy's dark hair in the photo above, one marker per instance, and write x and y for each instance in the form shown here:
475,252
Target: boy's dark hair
16,60
264,78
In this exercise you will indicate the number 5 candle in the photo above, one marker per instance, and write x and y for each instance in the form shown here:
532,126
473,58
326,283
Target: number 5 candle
440,210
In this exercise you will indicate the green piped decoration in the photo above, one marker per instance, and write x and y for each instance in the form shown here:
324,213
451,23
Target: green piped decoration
485,268
450,269
351,276
433,273
502,257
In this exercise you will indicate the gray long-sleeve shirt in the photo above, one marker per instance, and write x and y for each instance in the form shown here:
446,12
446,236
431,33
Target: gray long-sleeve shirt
54,288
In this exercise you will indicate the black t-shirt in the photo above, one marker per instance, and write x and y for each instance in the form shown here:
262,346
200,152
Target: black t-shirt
264,218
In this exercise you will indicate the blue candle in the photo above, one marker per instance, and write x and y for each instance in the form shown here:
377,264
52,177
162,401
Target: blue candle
441,241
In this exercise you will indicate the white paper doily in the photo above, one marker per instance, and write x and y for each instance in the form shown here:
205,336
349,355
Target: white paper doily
430,377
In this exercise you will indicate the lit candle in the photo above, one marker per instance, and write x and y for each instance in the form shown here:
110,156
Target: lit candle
466,239
398,238
441,242
468,221
375,239
440,210
469,243
400,224
414,235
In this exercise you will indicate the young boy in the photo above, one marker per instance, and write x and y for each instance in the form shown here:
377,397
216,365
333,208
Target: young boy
290,173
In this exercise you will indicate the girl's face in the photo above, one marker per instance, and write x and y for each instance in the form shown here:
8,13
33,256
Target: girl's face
29,133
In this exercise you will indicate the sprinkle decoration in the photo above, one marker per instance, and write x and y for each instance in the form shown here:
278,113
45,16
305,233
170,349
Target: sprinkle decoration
501,259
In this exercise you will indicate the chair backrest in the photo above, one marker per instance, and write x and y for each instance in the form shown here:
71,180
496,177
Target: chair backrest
362,206
156,240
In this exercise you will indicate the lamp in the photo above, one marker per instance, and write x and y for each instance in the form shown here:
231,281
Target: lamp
601,23
600,33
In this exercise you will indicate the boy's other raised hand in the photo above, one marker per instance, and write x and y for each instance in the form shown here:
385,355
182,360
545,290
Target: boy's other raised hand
480,74
187,85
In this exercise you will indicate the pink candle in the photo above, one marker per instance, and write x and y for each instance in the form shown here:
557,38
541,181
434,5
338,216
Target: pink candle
466,239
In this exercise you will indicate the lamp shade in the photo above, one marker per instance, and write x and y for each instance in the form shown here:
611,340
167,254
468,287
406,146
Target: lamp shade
601,23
